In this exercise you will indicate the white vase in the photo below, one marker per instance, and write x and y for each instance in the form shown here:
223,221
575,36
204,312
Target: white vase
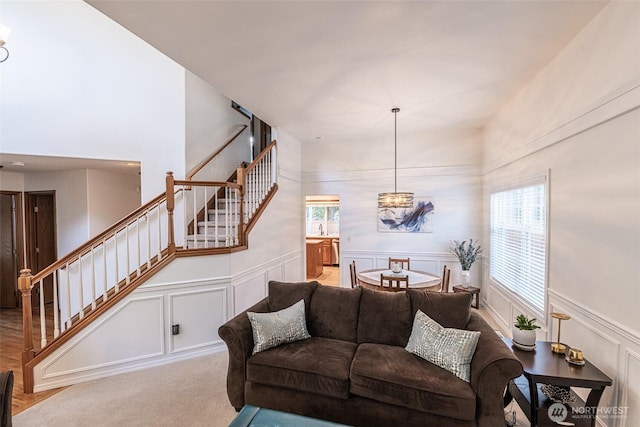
466,278
524,337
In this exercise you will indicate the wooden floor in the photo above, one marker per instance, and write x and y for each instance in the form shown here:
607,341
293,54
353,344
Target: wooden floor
330,276
11,346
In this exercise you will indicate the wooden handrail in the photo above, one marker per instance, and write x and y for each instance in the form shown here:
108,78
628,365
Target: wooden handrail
208,183
264,152
96,241
203,163
30,356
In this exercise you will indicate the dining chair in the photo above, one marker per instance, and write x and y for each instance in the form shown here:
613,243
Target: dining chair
393,283
405,263
354,277
446,272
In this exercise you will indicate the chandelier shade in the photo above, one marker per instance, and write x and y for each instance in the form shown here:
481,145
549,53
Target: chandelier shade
395,199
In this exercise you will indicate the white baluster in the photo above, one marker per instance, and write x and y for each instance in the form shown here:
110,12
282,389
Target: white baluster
128,264
195,215
68,321
138,258
80,289
146,218
206,217
216,224
160,233
104,268
56,314
43,320
93,281
115,251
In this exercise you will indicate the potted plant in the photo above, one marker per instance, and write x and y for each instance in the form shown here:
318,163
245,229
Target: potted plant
466,254
524,331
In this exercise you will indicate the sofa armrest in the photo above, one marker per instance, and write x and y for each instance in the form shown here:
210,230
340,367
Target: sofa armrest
238,336
492,366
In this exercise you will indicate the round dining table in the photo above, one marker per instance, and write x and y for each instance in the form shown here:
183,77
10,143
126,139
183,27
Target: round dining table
417,279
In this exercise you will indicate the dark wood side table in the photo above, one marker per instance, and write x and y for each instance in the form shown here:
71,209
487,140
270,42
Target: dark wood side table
542,366
470,290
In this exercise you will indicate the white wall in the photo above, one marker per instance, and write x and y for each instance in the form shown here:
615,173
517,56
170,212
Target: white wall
442,164
11,181
210,122
110,197
79,85
579,119
198,293
72,221
278,233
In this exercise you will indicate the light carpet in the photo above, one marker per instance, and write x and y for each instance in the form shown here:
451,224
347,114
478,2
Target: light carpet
186,393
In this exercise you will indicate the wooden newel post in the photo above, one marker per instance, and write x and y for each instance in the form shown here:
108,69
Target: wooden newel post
25,285
240,178
171,204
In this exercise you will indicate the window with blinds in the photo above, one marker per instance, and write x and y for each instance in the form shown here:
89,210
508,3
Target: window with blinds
519,241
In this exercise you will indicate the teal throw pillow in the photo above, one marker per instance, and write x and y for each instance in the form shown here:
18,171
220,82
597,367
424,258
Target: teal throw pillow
451,349
280,327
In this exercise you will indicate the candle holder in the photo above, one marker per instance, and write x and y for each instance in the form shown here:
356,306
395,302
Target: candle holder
557,347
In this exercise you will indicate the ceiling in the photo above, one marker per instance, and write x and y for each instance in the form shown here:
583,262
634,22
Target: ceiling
30,164
334,69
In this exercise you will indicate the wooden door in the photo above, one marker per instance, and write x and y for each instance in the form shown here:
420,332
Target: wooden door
41,236
9,207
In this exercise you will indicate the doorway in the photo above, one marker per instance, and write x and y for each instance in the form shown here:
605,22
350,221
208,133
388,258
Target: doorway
41,236
10,247
322,226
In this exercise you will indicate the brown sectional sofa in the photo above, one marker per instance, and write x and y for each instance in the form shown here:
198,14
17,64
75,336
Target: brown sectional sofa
355,370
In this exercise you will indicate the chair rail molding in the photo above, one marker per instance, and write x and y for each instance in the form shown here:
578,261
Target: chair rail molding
617,103
365,175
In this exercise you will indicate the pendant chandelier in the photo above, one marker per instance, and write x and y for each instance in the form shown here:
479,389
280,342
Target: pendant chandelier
395,199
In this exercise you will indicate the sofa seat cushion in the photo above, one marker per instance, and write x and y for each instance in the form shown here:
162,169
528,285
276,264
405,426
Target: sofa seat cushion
317,365
392,375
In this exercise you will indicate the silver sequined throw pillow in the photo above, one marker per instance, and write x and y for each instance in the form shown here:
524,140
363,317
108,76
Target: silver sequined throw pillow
451,349
280,327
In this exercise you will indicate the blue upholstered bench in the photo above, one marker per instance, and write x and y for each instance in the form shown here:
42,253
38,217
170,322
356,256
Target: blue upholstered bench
252,416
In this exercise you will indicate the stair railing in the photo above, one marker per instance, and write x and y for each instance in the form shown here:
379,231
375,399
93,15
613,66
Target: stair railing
95,275
101,272
212,168
259,179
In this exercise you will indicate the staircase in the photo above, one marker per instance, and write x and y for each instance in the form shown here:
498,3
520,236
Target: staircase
192,218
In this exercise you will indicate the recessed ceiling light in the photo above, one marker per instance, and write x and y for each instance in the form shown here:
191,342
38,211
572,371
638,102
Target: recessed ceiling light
18,163
132,164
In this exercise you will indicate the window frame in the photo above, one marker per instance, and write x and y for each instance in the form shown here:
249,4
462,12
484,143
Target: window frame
542,179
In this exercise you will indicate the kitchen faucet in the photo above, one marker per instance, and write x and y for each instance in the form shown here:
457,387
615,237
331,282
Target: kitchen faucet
320,227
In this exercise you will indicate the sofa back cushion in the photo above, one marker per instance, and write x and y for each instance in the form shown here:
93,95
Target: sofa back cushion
334,313
385,317
284,294
451,310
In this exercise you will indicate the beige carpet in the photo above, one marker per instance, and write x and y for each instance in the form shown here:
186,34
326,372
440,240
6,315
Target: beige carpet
187,393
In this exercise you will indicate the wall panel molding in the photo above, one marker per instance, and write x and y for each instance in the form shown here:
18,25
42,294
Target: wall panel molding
353,175
615,349
615,104
593,315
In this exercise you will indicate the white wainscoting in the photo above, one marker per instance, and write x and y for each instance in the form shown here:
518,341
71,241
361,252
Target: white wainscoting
137,332
614,349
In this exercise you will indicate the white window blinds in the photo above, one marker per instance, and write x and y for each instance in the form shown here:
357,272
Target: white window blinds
519,240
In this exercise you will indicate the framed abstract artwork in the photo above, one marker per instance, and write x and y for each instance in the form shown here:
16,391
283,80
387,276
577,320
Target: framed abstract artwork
416,219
